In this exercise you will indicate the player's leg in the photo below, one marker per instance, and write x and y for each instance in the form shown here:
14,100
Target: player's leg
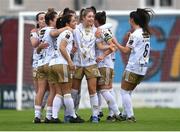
92,73
54,101
99,103
51,95
76,87
57,104
38,100
128,84
104,85
75,92
66,86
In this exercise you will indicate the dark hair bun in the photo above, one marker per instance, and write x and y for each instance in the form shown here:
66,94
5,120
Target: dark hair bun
94,9
66,10
50,9
103,13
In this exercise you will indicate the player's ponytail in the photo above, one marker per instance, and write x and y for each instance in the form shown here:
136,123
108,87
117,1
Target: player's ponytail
50,10
142,18
101,17
67,11
50,15
93,8
81,14
62,21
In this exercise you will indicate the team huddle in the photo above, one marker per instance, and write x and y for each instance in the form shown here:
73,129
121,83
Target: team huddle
65,48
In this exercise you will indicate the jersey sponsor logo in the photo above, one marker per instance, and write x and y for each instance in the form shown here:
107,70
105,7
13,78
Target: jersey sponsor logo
42,32
67,36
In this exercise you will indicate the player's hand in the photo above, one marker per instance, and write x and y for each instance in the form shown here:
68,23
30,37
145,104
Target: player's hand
34,30
114,40
112,47
74,49
71,66
99,59
43,45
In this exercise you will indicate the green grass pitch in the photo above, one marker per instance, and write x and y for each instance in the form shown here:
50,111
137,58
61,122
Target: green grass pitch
148,119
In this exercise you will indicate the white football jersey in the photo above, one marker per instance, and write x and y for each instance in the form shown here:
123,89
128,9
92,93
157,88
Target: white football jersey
35,57
106,26
140,52
108,60
48,52
57,57
85,43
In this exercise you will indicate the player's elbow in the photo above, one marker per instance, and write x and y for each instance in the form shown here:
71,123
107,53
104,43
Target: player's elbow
126,51
54,33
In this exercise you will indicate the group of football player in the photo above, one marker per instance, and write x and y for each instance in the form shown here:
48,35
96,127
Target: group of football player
67,47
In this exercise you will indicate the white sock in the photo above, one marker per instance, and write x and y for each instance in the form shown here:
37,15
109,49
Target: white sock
78,101
57,104
110,101
94,104
76,98
112,92
66,112
37,111
69,104
99,101
127,102
123,111
49,112
111,113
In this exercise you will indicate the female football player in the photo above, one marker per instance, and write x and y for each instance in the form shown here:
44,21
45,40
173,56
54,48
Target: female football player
85,58
106,66
62,68
45,50
138,46
34,38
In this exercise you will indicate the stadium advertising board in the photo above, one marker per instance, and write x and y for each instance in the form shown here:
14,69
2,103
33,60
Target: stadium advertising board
8,97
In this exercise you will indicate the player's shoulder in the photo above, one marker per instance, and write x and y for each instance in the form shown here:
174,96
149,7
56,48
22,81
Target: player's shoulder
34,33
106,31
137,33
34,30
78,26
94,28
67,34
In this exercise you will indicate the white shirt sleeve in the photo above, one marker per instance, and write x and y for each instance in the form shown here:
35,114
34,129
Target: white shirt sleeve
132,41
99,40
106,26
34,35
67,36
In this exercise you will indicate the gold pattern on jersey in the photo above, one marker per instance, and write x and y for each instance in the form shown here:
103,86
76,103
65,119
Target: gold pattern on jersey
87,34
